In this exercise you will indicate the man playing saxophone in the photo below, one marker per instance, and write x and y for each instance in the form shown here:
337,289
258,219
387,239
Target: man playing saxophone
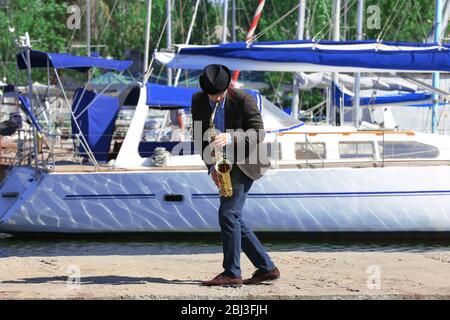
228,118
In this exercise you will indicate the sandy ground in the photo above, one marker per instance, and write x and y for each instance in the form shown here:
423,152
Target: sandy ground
336,275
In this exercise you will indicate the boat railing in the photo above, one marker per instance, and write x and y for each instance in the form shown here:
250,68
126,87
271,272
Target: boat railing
308,143
25,150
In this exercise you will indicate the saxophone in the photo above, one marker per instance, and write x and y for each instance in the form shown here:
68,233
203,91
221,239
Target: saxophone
220,162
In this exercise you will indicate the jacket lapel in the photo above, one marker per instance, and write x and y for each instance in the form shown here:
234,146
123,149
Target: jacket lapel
208,110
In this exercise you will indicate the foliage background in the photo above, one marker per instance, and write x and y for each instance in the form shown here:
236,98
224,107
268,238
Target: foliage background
120,26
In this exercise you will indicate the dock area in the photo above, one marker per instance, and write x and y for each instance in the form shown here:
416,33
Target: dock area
304,275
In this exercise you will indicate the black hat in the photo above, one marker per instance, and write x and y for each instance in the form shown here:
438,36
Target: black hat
215,79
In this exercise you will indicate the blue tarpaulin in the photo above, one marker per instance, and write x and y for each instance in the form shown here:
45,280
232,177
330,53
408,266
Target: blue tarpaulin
408,99
26,108
96,116
166,97
310,56
41,59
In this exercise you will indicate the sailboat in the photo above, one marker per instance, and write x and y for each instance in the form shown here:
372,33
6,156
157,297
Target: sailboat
323,179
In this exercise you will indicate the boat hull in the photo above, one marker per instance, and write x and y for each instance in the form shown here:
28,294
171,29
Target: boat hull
392,199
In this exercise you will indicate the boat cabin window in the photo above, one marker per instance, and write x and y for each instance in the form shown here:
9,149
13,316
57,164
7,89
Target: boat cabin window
356,150
310,150
407,150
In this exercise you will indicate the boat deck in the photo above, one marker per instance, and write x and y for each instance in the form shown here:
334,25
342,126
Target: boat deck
77,168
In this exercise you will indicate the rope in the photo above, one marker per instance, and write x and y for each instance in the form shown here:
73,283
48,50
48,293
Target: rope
160,157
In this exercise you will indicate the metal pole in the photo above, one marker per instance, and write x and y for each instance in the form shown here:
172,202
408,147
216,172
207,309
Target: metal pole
336,37
30,93
169,37
300,36
88,27
147,37
225,21
436,75
233,21
359,36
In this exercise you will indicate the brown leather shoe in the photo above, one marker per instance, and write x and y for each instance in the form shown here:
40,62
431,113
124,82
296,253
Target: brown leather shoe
224,281
262,275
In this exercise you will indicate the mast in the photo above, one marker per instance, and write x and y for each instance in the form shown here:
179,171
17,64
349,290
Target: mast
147,37
336,37
88,27
225,21
169,36
359,36
300,36
436,75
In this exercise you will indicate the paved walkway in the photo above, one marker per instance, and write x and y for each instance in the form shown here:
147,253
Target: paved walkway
337,275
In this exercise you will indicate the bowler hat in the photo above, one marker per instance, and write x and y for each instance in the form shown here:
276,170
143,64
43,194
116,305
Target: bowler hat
215,79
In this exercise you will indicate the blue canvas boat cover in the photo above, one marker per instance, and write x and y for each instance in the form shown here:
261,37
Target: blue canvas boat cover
41,59
166,97
310,56
407,99
26,108
96,116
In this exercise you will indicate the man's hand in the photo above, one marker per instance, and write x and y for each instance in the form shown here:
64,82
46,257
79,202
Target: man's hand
222,139
215,176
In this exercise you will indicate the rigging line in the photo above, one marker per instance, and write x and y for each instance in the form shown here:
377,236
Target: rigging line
441,113
84,143
272,85
150,67
278,88
325,8
205,21
313,12
390,20
374,91
328,25
188,38
98,95
275,9
69,41
107,22
420,20
399,28
246,15
254,38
